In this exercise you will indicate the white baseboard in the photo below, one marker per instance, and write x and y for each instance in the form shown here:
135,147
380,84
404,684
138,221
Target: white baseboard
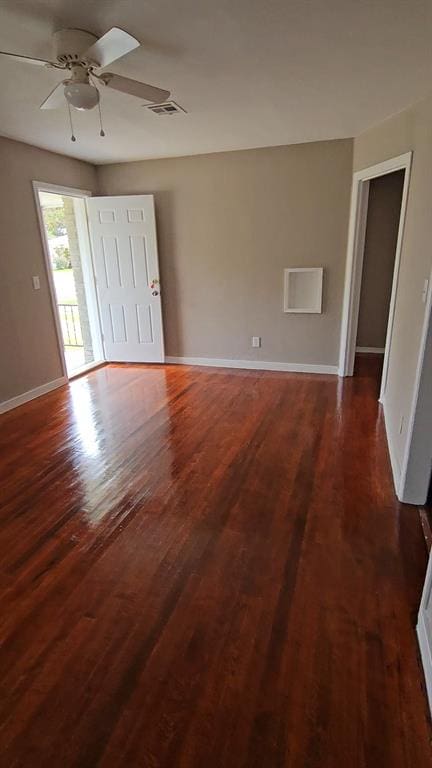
14,402
394,461
255,365
425,653
371,350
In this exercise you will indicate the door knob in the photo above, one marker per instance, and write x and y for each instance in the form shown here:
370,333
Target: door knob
155,293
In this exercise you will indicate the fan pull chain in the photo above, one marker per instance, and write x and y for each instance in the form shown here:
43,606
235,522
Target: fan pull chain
102,132
73,138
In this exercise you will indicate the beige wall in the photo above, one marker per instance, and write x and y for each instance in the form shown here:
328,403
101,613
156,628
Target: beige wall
228,224
28,342
385,197
410,130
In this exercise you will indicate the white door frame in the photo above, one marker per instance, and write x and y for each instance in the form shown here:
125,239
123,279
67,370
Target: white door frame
427,321
354,264
423,632
70,192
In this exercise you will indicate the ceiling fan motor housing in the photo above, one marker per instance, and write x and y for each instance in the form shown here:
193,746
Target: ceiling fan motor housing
71,44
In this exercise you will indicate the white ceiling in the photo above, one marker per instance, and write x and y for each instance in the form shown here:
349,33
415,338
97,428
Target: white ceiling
250,73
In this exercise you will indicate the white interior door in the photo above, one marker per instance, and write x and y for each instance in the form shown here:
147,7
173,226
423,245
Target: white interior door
123,237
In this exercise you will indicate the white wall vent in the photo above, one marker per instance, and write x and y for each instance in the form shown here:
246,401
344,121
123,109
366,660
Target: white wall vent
167,108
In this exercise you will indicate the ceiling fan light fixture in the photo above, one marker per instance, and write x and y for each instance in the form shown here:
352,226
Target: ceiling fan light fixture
82,96
78,53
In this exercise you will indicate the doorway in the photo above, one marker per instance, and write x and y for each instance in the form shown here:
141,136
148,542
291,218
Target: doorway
67,249
103,271
365,190
379,254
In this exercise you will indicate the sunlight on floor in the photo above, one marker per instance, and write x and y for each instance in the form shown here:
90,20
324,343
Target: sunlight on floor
74,358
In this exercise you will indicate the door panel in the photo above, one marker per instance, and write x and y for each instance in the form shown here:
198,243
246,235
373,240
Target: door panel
123,236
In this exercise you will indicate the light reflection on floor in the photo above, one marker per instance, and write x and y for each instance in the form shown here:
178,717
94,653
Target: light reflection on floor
97,430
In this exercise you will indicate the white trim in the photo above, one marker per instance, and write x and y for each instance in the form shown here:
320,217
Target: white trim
87,267
41,186
394,461
425,654
58,189
86,369
316,306
396,269
371,350
37,186
422,631
255,365
354,266
420,360
14,402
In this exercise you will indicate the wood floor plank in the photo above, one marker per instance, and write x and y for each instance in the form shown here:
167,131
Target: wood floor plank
207,568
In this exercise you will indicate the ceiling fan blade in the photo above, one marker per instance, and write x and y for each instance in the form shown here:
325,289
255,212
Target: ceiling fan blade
55,99
26,59
111,46
134,87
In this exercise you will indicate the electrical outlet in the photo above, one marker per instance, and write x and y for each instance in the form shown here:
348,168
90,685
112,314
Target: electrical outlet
401,424
36,282
256,341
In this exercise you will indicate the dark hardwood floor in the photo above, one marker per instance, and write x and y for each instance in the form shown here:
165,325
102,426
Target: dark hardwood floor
207,568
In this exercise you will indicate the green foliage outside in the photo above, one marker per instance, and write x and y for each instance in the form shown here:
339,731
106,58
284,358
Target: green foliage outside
54,221
61,258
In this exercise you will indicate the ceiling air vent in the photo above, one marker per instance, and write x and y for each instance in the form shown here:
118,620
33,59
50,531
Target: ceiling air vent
167,108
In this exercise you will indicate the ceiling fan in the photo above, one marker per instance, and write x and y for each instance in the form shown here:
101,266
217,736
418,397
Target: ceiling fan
80,53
